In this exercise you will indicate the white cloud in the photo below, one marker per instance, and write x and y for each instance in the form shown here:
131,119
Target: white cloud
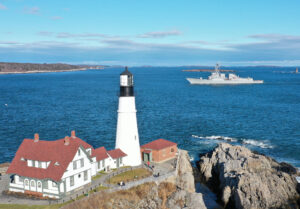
32,10
2,7
45,33
57,18
160,34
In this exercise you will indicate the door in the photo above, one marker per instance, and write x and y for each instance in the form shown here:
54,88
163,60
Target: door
118,162
146,157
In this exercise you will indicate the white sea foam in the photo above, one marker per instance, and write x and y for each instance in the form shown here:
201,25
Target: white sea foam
298,179
262,144
224,138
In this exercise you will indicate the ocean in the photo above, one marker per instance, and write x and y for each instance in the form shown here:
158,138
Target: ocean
264,117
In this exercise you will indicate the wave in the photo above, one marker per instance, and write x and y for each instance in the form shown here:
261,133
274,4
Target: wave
285,72
261,144
258,143
224,138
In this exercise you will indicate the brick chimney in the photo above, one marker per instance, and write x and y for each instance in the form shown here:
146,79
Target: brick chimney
36,137
73,135
67,140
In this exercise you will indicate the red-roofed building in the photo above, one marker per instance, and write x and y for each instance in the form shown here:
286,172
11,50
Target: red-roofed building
54,168
158,150
117,155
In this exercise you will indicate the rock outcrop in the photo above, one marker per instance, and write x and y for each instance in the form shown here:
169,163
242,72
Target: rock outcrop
244,179
185,178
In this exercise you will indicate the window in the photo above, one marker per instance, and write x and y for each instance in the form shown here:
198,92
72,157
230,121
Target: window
74,165
99,164
79,175
54,184
33,163
85,175
79,152
26,182
172,149
39,184
82,162
103,163
120,160
40,164
32,184
46,185
72,180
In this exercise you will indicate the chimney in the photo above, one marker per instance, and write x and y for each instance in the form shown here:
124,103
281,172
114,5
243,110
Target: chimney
73,135
36,137
67,140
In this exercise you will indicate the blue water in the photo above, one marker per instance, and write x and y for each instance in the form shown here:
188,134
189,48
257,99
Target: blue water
263,117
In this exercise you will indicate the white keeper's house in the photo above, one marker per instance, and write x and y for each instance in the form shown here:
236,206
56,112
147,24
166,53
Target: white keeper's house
54,168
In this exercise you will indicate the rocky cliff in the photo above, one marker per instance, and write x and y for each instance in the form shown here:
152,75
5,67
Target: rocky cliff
178,192
244,179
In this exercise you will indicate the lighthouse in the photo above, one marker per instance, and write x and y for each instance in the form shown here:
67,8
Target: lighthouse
127,138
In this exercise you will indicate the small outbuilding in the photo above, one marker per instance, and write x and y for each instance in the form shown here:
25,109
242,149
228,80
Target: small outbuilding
158,151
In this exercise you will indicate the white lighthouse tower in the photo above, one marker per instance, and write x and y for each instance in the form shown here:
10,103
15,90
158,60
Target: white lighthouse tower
127,131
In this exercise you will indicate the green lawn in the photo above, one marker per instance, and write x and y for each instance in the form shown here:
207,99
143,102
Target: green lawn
135,174
98,175
99,188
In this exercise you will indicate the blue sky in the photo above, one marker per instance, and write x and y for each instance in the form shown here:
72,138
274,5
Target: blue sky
156,32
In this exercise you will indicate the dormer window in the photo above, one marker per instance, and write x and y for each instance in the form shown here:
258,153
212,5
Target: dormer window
56,163
22,159
79,152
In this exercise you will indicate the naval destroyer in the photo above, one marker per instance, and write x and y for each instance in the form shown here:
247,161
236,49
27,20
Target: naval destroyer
220,78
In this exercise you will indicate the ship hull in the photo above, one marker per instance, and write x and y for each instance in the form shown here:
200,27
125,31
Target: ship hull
223,82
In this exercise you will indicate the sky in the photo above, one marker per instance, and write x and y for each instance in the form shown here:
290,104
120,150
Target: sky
156,32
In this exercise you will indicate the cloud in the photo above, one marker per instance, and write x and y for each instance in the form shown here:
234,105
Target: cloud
8,42
275,49
160,34
83,35
274,37
57,18
45,33
32,10
2,7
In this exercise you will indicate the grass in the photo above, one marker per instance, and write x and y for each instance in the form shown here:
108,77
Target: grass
127,176
125,199
98,189
101,173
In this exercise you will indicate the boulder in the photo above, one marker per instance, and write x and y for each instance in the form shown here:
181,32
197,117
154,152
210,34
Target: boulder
244,179
183,199
185,178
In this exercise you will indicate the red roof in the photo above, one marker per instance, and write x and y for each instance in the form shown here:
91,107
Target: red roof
53,151
100,153
158,144
116,153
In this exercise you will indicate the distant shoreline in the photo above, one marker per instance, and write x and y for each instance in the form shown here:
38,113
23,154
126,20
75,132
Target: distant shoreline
206,70
26,68
48,71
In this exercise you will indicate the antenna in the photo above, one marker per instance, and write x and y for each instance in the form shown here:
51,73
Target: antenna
217,67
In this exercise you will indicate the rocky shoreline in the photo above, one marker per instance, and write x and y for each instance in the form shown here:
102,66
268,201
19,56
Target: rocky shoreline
245,179
239,177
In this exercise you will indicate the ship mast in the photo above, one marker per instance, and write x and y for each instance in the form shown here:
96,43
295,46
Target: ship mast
217,68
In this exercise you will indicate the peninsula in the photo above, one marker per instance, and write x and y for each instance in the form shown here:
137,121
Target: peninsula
15,68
